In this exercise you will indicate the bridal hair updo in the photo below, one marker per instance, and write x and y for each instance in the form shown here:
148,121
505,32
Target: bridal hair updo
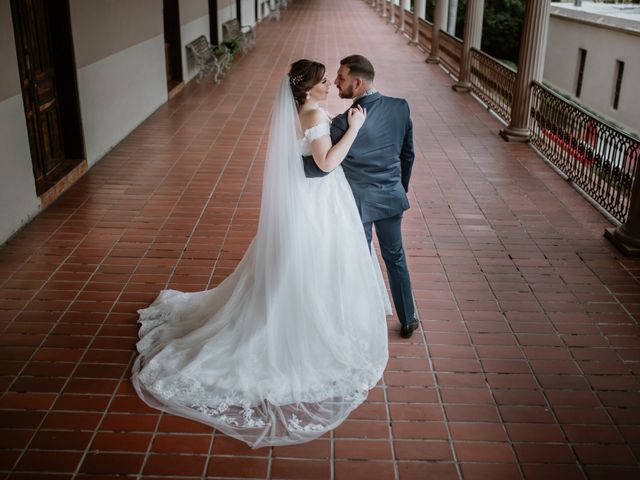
303,76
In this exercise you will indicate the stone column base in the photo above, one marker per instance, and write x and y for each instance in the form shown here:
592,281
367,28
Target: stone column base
461,87
516,135
627,245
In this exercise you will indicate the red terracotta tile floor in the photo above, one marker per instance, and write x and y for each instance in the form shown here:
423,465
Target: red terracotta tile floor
527,362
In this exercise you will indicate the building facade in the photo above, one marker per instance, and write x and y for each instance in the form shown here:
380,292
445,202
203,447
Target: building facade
593,54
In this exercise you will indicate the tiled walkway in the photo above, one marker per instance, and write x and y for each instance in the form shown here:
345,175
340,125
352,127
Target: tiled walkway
527,363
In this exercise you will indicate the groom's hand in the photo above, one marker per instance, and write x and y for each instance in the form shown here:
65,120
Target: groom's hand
311,169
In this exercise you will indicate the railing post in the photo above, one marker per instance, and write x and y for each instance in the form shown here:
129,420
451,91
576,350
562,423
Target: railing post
402,6
472,39
418,7
530,68
384,8
439,22
391,18
626,237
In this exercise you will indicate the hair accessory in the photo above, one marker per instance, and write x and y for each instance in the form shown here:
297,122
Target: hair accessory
296,80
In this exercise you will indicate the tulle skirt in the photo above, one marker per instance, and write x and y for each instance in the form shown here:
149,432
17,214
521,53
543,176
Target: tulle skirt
271,356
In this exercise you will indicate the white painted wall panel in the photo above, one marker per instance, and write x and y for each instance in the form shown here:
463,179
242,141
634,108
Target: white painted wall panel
18,200
604,46
118,92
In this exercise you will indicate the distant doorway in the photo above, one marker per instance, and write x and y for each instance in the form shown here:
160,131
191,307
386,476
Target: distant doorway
172,44
46,63
213,22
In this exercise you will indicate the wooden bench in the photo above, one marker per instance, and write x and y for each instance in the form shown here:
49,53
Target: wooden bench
273,9
245,35
210,61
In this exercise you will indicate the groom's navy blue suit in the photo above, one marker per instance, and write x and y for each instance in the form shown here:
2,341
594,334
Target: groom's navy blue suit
378,168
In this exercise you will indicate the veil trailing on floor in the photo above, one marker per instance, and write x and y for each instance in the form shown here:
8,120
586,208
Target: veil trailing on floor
290,343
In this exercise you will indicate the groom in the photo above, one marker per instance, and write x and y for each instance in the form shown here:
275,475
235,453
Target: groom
378,167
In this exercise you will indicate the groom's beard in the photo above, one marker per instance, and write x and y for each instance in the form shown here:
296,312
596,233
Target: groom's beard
347,93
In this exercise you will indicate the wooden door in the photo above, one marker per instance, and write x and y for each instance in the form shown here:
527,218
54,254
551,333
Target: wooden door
38,81
213,22
172,44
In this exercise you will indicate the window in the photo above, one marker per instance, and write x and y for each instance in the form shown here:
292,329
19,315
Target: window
618,83
582,57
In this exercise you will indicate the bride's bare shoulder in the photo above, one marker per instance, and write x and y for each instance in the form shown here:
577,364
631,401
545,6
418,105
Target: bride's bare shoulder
311,117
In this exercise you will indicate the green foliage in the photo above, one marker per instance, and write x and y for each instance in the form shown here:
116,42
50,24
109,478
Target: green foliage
501,28
430,7
233,44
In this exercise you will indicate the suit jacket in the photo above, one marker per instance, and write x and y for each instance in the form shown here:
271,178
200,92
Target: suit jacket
378,165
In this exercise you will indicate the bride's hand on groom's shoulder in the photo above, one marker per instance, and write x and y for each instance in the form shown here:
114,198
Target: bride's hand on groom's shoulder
356,117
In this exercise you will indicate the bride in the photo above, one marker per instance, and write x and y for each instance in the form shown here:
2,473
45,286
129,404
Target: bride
291,342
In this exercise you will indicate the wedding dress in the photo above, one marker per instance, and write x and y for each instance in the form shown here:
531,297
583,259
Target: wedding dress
291,342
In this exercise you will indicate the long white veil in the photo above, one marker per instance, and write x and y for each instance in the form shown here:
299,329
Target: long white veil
279,249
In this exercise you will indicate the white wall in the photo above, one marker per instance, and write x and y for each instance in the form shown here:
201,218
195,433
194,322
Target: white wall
604,46
18,200
226,11
248,12
118,92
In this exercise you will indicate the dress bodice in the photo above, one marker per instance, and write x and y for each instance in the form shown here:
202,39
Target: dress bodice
317,131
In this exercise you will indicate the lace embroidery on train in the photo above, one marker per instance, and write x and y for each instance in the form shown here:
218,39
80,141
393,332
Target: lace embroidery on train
233,409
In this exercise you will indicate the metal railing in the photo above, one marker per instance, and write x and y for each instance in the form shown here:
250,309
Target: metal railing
493,82
450,53
597,157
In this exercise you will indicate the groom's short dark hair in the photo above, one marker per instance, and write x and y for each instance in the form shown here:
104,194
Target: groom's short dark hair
359,66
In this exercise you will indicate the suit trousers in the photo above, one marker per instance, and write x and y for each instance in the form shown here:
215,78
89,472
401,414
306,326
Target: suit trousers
388,231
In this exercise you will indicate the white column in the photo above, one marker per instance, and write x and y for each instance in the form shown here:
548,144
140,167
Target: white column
472,38
418,12
533,45
384,8
391,17
403,6
439,23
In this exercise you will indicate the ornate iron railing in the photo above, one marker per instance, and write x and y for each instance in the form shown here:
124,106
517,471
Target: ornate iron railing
597,157
450,52
493,82
425,33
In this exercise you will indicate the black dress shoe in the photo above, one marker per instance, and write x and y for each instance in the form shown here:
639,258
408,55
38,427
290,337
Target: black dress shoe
407,329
